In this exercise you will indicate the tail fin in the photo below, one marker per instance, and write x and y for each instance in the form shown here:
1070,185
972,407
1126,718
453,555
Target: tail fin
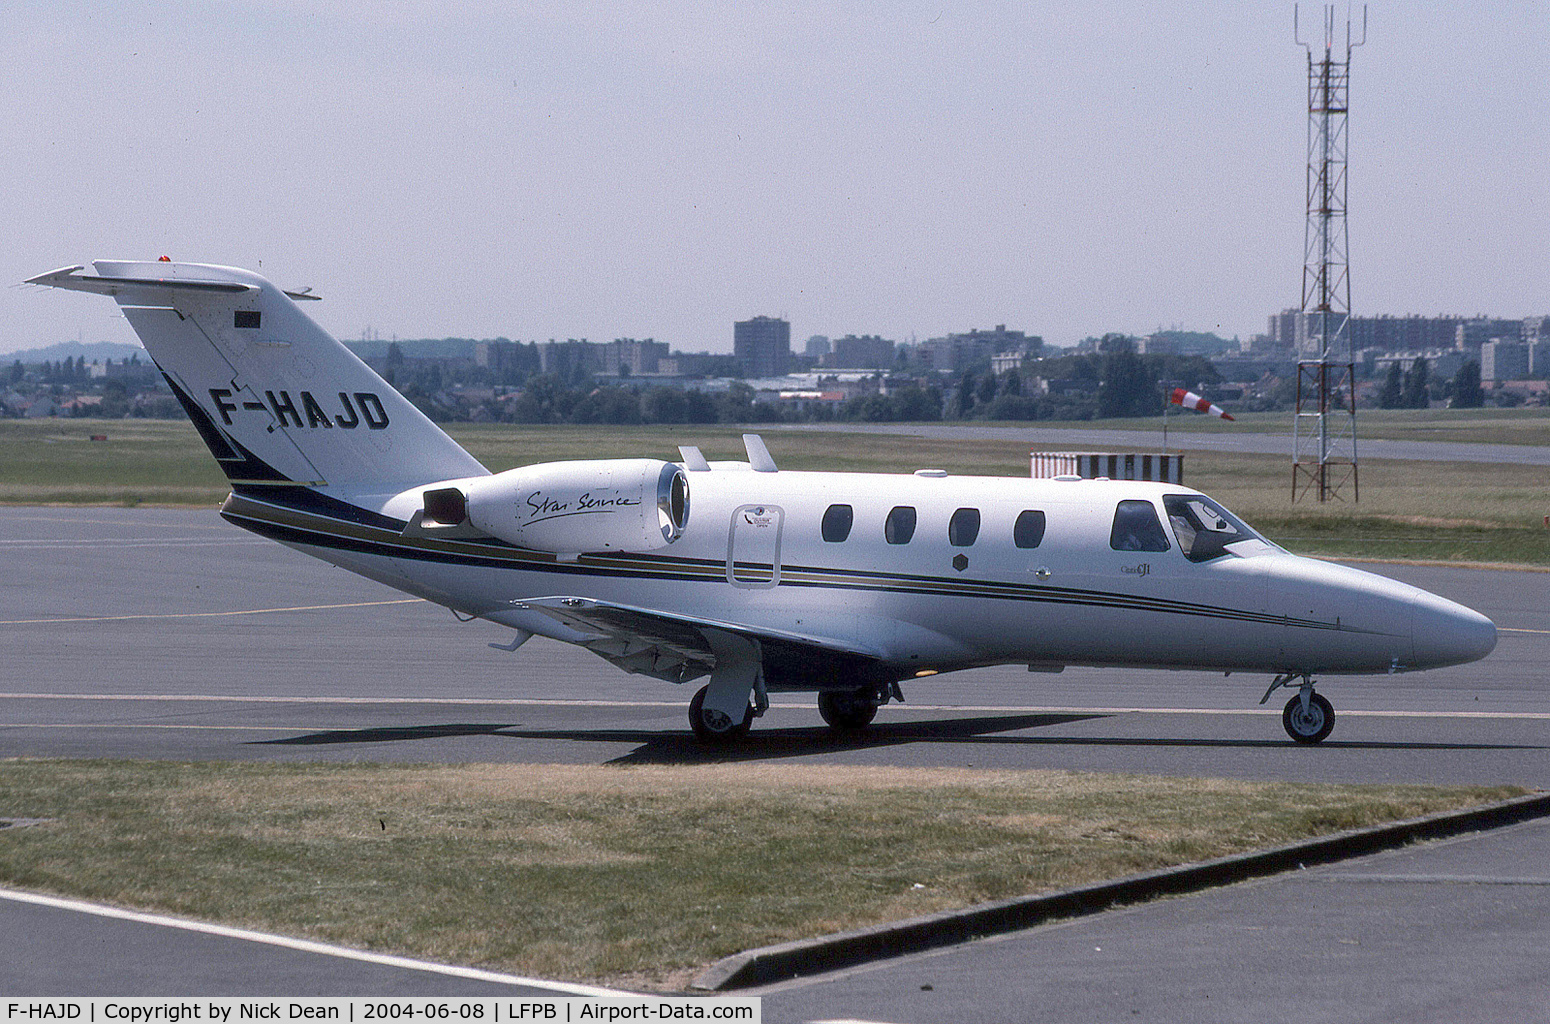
278,401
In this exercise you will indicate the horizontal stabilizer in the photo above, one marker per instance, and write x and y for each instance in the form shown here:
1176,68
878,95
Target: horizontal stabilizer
73,279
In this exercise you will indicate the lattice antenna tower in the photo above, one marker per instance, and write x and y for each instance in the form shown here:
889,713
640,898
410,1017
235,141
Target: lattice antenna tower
1324,428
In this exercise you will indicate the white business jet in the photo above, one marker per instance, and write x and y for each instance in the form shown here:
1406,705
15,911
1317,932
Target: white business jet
846,584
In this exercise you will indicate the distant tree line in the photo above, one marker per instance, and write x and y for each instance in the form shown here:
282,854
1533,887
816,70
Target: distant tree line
1113,382
1413,388
68,371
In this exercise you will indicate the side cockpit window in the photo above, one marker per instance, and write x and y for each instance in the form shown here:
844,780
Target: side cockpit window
1136,528
1205,529
837,521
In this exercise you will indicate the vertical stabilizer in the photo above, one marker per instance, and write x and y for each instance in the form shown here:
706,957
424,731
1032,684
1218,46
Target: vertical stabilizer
277,399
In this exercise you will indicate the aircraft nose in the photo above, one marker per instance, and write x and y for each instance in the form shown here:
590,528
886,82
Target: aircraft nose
1447,633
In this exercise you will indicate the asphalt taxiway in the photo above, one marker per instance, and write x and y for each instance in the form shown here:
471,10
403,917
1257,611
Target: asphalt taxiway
169,634
1442,933
81,949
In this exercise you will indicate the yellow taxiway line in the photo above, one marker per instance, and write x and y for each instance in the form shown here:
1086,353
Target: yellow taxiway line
209,615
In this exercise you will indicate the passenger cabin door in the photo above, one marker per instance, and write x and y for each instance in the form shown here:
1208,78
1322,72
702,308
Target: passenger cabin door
753,546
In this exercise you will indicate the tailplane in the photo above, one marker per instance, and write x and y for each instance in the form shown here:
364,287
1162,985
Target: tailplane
278,400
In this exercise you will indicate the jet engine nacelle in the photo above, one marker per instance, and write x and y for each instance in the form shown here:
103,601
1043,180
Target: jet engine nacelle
569,507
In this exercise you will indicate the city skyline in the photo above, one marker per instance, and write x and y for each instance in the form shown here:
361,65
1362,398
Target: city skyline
655,171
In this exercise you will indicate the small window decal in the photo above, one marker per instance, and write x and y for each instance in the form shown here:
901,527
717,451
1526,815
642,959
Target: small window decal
246,318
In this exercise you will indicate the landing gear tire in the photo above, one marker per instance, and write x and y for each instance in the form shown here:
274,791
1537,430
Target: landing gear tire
847,711
1309,726
714,727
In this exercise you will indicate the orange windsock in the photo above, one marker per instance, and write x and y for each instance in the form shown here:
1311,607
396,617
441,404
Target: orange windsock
1190,400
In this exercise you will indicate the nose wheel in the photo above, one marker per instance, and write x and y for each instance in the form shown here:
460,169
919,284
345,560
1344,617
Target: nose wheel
1308,724
1308,717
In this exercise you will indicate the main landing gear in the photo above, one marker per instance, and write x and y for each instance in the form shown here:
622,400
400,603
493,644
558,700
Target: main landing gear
1308,717
853,710
712,726
845,711
724,708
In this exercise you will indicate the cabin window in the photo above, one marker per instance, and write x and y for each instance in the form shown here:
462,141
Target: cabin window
1136,528
1204,528
899,527
1028,531
964,527
836,523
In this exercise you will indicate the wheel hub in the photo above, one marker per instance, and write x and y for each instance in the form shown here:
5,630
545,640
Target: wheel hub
1308,719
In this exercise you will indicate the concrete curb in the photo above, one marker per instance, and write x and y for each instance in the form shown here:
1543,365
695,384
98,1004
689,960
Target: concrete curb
787,960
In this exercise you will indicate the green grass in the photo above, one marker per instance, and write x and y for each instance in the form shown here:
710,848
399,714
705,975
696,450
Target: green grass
1424,511
630,875
504,446
1478,426
1471,512
143,462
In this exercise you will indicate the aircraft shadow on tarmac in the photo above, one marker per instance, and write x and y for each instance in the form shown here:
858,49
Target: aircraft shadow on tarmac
386,735
674,747
681,746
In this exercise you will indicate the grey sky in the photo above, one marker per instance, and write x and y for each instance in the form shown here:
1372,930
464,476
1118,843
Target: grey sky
662,169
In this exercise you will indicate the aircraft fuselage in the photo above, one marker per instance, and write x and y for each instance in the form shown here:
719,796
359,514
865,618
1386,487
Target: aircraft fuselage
753,552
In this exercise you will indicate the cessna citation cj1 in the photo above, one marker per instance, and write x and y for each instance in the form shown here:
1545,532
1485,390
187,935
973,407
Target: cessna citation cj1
846,584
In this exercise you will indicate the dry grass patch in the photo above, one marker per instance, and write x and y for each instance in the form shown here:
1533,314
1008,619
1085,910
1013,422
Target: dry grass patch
633,873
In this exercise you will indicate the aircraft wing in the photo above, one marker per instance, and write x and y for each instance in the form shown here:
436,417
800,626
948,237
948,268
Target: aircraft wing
679,647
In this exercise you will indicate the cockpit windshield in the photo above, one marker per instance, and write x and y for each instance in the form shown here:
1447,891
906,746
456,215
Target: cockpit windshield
1206,530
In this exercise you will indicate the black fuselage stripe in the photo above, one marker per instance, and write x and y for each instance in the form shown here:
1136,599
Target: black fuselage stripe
333,541
715,572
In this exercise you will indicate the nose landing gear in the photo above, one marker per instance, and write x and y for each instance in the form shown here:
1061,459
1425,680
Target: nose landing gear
1308,717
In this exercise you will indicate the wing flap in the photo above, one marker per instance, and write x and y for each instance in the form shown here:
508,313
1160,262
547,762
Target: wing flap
676,647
